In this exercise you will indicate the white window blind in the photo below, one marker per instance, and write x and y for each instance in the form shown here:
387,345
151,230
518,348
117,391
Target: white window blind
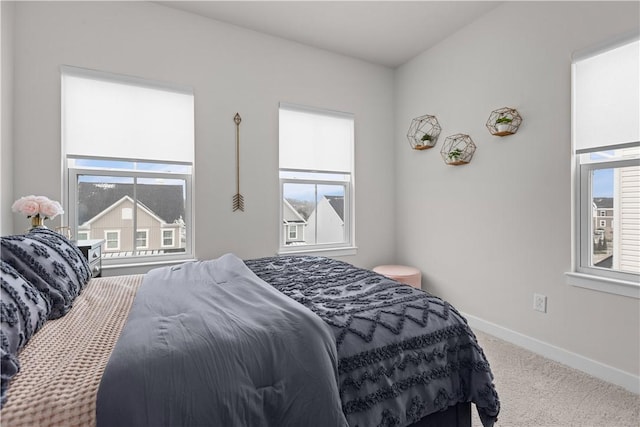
108,115
607,98
315,140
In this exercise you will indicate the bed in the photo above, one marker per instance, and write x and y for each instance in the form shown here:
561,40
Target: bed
277,341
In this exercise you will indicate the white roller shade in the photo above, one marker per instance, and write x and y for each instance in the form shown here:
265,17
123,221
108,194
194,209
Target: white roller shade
106,115
315,140
606,98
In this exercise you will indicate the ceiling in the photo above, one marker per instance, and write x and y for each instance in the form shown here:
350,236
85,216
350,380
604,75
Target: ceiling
387,33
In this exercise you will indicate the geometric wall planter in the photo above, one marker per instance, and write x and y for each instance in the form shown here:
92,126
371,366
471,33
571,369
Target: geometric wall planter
423,132
504,121
458,149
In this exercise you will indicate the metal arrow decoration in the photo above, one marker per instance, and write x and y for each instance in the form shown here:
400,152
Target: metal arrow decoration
238,199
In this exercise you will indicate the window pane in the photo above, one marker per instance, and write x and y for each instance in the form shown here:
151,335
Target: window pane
161,209
102,205
330,214
317,210
168,237
112,239
112,207
141,239
129,165
615,224
297,206
314,176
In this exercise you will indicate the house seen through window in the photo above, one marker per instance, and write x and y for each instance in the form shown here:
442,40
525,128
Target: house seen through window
128,144
316,179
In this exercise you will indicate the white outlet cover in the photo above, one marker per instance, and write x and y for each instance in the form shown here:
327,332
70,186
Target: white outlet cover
540,303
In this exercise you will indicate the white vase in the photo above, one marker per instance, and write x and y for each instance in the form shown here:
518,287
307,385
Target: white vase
503,127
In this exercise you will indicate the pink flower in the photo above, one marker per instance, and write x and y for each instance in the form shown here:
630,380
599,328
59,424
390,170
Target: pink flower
50,209
26,206
36,205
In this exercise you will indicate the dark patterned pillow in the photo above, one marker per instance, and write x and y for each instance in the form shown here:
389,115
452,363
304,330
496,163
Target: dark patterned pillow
23,310
50,262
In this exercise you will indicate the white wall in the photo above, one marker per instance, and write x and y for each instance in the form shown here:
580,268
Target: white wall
231,70
489,235
6,119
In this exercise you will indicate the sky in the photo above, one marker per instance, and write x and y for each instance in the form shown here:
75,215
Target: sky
602,183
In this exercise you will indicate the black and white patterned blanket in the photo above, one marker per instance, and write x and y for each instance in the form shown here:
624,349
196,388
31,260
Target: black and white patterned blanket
403,353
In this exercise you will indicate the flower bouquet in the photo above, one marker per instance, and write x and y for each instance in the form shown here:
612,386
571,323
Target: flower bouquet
38,208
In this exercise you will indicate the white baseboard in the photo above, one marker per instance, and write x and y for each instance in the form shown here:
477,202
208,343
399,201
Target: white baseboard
599,370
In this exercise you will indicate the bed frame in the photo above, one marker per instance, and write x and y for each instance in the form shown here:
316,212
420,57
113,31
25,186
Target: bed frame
455,416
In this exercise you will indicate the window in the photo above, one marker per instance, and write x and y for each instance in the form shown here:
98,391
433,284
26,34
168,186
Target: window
112,240
168,238
129,145
83,235
127,213
142,239
606,135
156,194
293,232
316,179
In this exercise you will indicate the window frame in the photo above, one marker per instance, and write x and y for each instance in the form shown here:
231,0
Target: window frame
346,247
584,209
581,274
106,240
173,237
146,238
294,235
72,174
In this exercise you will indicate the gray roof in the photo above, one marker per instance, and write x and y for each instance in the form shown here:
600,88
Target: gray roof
337,203
603,202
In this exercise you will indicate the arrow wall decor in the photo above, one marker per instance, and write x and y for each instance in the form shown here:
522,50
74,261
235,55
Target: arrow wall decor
238,199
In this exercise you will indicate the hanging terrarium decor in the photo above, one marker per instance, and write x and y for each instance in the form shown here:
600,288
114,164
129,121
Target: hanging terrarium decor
423,132
458,149
504,121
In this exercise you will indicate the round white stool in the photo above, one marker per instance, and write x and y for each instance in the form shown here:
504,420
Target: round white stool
401,273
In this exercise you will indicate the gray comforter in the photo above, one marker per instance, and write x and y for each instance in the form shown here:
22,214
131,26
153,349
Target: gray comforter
208,343
403,353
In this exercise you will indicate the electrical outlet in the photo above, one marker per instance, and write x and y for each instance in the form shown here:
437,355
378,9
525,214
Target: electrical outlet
540,303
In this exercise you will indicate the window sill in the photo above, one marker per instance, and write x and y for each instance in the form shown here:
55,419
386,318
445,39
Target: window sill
602,284
336,252
140,267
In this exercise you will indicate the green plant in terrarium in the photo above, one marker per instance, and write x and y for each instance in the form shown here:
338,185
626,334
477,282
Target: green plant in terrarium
455,154
503,119
426,137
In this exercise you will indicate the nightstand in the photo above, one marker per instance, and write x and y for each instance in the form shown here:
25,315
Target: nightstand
92,250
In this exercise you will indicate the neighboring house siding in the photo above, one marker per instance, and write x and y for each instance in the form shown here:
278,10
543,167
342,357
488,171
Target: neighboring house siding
291,217
330,227
112,219
627,222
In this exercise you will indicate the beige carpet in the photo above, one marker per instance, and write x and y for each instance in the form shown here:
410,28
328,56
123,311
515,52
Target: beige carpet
538,392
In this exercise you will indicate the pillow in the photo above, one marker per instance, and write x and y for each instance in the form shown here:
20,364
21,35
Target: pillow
23,310
51,263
